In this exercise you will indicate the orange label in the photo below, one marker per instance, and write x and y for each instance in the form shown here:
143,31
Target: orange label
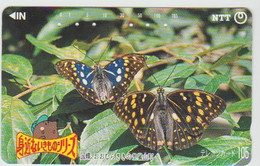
66,146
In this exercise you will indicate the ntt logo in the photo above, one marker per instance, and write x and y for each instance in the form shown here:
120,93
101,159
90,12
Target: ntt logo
239,17
221,17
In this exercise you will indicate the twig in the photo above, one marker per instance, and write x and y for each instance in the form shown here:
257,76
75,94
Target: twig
32,88
166,49
29,83
177,56
172,46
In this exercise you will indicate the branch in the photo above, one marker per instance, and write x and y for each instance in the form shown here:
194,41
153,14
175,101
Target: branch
32,88
166,49
172,46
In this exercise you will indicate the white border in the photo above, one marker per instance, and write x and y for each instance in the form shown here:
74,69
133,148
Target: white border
252,5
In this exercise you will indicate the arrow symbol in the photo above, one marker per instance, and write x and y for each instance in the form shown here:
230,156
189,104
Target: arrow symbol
13,15
18,15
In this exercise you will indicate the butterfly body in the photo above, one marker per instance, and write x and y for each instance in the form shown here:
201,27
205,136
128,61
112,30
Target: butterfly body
100,85
163,121
176,119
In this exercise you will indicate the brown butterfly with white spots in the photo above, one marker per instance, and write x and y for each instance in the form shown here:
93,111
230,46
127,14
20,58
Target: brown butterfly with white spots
176,119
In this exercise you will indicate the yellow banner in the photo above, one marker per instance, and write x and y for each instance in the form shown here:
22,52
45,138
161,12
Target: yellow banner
66,146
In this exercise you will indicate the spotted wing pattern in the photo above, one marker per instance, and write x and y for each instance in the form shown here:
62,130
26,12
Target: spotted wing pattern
191,110
195,108
179,126
80,75
119,73
122,71
135,109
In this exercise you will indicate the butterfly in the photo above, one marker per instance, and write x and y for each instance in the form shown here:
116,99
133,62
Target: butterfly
176,119
100,85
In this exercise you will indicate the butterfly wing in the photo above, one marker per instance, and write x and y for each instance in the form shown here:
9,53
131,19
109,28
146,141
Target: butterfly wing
135,110
191,110
177,136
81,77
122,71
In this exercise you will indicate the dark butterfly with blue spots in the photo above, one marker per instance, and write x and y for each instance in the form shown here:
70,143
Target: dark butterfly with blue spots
176,120
100,85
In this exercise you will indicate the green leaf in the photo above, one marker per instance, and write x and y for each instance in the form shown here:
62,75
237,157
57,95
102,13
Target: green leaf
240,106
224,143
17,65
18,80
48,158
224,150
213,85
245,134
184,52
74,103
105,41
142,42
181,71
123,49
237,90
205,82
229,57
245,79
67,17
4,90
64,18
16,117
221,46
63,53
152,59
60,88
38,108
204,65
57,161
96,50
157,160
197,82
101,132
246,63
244,127
223,69
227,116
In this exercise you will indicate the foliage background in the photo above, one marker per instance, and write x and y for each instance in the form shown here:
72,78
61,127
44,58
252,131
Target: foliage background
211,56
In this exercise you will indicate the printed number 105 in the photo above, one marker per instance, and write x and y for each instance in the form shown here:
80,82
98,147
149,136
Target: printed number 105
243,152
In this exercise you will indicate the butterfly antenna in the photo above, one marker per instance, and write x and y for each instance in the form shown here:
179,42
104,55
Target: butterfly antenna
105,50
169,76
84,53
152,74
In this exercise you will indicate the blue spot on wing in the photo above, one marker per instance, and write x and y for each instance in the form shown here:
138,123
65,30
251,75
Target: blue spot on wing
115,71
85,75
